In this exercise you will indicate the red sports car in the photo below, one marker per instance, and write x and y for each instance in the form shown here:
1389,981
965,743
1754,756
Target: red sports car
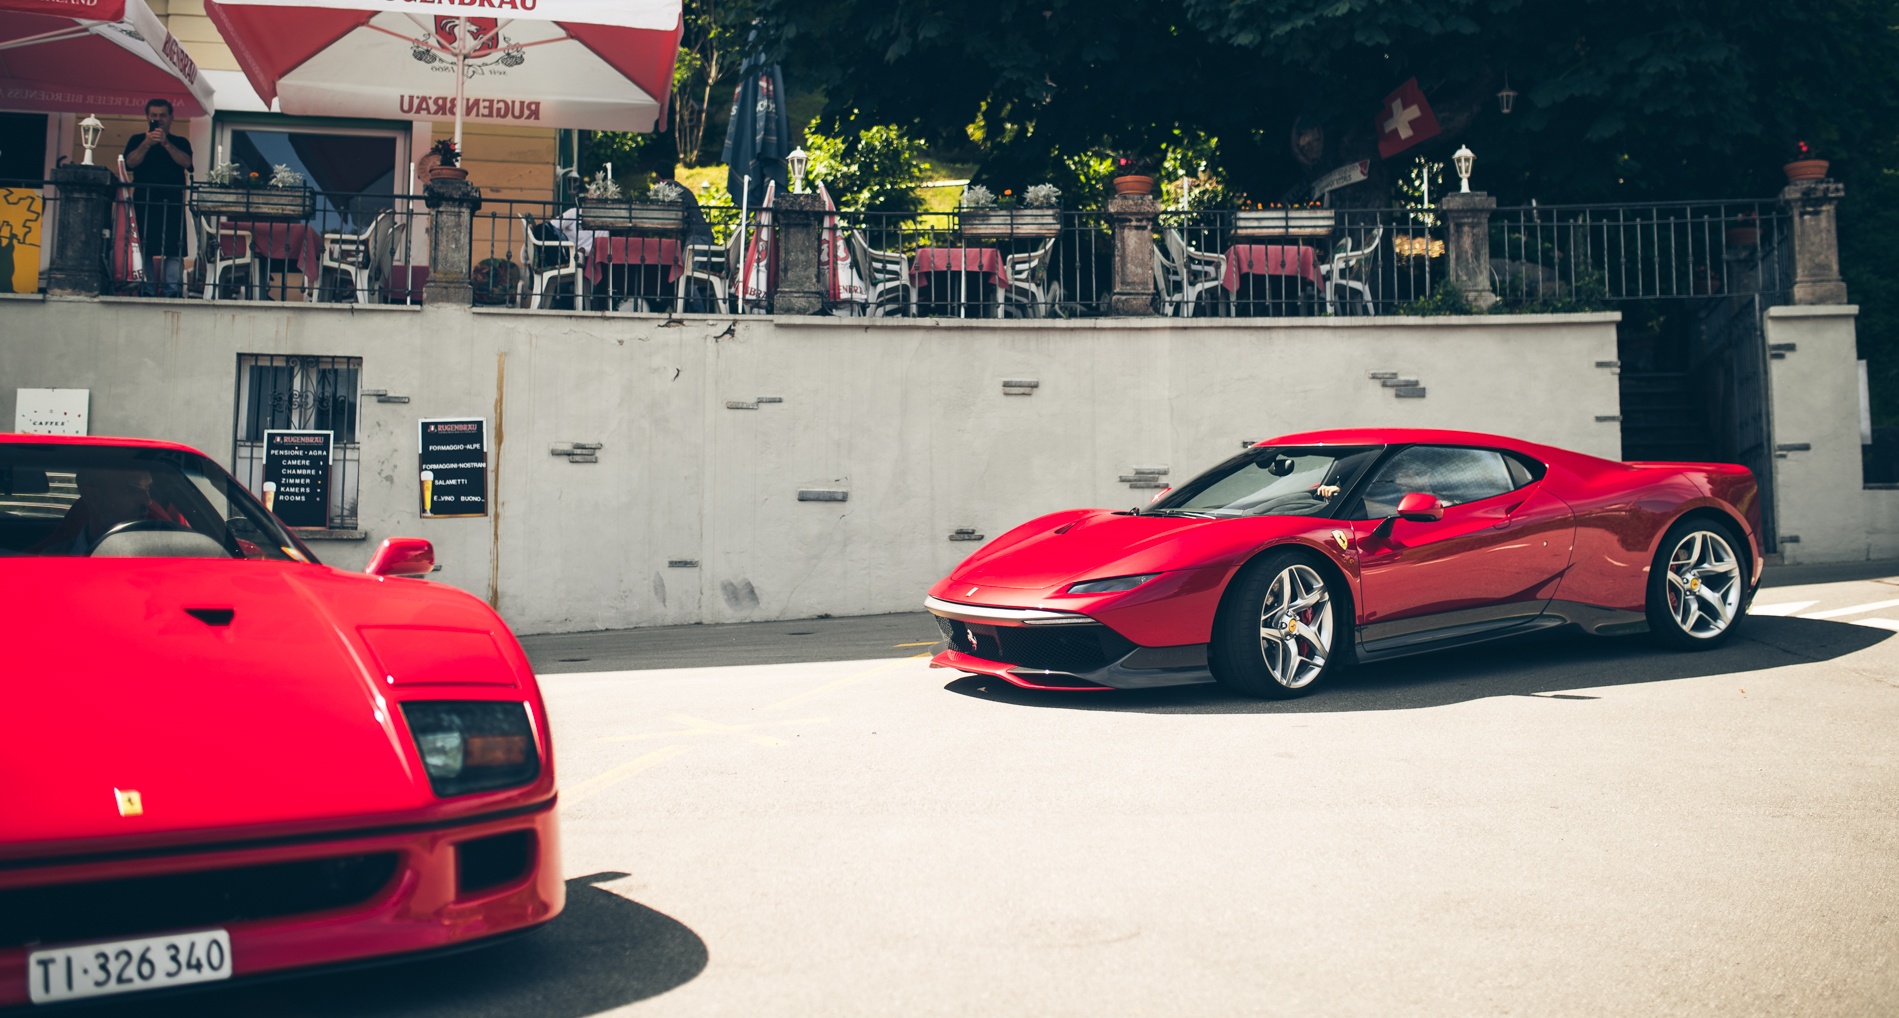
222,758
1308,552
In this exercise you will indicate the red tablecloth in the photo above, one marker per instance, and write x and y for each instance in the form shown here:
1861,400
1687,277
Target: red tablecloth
608,251
1270,260
292,242
962,259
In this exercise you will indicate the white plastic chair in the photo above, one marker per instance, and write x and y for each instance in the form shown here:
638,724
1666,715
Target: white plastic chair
213,233
545,262
710,264
362,258
1030,293
886,275
1195,273
1345,259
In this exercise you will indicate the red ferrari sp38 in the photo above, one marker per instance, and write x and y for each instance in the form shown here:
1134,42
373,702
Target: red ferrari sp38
1312,551
224,759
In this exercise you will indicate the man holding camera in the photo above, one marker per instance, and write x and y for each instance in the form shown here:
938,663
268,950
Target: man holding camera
161,167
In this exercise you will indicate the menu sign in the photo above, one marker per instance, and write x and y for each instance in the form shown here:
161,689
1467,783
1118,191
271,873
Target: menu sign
454,466
297,476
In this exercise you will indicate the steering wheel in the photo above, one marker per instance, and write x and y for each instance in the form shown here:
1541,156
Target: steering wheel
130,526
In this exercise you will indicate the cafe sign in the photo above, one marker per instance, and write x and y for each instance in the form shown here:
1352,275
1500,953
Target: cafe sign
454,467
297,476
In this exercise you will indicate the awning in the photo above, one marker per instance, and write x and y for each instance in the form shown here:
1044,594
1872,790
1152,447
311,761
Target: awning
593,64
94,56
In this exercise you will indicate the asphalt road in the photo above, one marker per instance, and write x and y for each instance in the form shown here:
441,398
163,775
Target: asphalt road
1562,826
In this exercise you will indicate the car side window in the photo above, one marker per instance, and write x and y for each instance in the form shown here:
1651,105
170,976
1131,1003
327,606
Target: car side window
1455,475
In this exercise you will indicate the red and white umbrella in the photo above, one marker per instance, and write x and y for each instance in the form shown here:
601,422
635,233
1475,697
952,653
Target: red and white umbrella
94,56
597,64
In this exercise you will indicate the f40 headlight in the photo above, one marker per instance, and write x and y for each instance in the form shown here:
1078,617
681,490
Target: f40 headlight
473,746
1110,586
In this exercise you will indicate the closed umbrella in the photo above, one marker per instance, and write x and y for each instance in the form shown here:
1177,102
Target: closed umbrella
593,64
94,56
758,137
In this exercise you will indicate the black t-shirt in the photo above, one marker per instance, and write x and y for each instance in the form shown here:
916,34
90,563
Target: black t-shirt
159,167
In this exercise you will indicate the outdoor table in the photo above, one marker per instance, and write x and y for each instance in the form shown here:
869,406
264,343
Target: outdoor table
1269,260
650,259
277,240
935,264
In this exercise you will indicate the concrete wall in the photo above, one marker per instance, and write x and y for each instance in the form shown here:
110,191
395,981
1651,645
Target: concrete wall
908,416
1816,405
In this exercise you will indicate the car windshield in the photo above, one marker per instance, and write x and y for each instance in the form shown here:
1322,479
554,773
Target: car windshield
80,500
1268,481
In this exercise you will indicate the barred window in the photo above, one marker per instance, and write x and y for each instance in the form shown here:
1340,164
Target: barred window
316,393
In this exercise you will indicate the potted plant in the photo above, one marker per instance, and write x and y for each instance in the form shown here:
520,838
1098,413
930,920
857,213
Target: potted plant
605,206
448,162
1039,213
1133,174
231,190
1746,231
1804,165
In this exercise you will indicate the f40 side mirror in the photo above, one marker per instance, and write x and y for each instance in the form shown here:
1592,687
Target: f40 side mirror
1420,507
402,556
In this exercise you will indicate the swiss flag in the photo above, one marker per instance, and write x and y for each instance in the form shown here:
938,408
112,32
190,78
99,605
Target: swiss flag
1404,120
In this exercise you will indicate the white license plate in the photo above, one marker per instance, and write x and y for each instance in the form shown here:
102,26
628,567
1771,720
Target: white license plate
122,966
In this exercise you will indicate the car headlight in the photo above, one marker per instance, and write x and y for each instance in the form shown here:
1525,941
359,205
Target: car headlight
1109,586
473,746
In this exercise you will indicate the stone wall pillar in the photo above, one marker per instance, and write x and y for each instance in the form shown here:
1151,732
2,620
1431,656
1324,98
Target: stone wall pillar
797,234
1812,207
452,207
1467,241
1132,216
85,226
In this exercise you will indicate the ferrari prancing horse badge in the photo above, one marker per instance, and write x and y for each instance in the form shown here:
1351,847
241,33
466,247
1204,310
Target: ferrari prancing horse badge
1339,536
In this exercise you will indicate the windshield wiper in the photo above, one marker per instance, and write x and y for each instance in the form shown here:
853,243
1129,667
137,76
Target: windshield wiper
1189,513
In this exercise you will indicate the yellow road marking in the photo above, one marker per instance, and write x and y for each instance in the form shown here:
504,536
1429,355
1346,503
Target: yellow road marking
570,797
926,643
837,684
700,726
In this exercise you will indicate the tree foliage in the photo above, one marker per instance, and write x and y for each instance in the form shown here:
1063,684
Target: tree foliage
870,169
711,46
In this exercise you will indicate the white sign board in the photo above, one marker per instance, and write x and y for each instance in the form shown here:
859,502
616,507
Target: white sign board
50,411
1350,173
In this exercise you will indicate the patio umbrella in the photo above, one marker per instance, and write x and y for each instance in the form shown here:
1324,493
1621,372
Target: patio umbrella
94,56
758,137
597,64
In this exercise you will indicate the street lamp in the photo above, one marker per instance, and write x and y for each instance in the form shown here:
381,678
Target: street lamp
795,163
89,131
1507,99
1464,158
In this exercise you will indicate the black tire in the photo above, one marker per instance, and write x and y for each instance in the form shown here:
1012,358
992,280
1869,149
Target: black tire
1697,585
1245,654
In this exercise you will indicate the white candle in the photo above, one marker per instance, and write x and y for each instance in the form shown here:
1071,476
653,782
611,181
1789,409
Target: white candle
609,171
220,161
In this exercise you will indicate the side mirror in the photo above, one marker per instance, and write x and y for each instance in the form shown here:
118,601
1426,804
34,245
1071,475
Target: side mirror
402,556
1420,507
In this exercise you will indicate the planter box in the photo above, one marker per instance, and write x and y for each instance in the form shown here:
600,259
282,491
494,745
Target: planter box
297,203
1281,223
651,216
1011,222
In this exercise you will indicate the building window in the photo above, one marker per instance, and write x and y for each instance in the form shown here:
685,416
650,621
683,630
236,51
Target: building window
311,393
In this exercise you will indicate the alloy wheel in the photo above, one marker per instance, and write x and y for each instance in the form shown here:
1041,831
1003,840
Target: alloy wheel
1703,584
1295,626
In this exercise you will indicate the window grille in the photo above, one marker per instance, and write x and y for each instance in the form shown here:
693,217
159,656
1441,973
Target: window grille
315,393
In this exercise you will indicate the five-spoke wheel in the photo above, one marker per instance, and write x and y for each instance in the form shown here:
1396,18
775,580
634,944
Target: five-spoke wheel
1278,634
1697,585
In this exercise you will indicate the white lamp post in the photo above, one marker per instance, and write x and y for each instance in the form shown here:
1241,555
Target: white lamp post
1507,99
796,163
1464,158
89,131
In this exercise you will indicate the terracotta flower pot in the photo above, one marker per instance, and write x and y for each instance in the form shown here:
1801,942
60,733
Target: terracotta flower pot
1806,169
1743,236
448,173
1133,184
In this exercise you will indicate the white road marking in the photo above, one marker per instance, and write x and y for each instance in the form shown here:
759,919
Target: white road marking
1892,624
1857,609
1784,608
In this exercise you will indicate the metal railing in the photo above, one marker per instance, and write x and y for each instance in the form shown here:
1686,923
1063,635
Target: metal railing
996,263
1296,262
540,255
1557,256
27,211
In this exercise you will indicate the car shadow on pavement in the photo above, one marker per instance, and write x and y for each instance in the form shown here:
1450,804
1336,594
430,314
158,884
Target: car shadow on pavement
1542,665
603,951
